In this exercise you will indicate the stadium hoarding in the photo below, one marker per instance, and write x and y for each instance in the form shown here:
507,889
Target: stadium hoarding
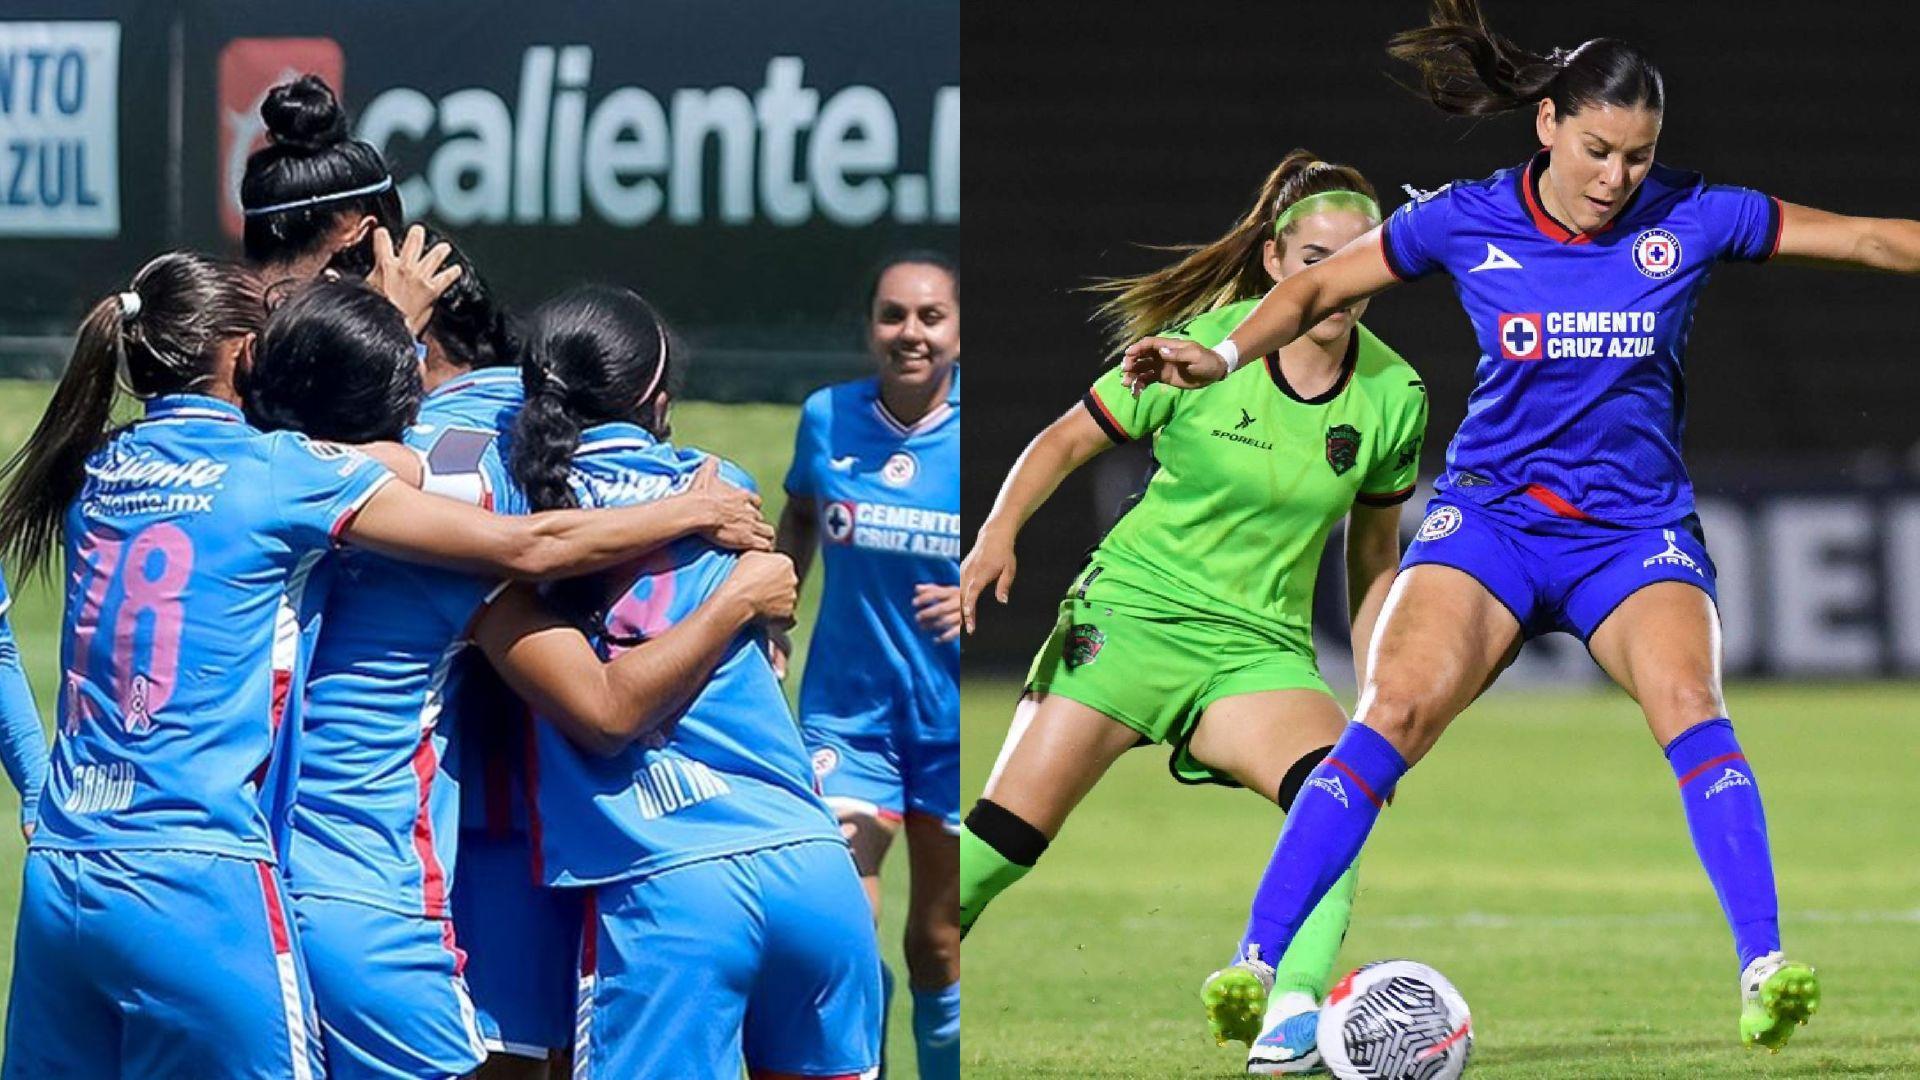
744,165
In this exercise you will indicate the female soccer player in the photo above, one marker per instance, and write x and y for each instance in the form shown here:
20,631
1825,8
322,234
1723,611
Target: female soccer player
1565,504
876,468
312,197
1213,657
192,543
372,852
724,917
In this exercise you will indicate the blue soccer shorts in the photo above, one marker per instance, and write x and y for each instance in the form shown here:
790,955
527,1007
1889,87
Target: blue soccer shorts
523,945
1558,573
157,963
885,775
388,987
767,958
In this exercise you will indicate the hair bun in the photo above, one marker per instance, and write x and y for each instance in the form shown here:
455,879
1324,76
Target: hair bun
304,114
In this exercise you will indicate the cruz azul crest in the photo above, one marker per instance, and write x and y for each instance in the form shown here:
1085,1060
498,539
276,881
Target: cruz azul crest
1083,644
1343,447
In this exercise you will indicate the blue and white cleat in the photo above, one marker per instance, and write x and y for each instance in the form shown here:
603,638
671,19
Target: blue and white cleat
1288,1042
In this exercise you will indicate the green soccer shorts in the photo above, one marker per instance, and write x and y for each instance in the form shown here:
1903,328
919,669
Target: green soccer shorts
1157,675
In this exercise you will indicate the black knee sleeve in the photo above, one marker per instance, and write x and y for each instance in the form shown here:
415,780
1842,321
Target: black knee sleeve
1296,777
1004,832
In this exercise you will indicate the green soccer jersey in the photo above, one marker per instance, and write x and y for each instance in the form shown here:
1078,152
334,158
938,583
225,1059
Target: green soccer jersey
1251,479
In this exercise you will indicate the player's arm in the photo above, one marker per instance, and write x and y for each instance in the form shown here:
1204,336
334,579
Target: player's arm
798,537
1065,445
407,523
602,706
1373,558
1819,238
1349,276
23,744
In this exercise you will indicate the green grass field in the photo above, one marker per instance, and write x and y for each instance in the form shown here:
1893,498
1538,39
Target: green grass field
1539,858
758,437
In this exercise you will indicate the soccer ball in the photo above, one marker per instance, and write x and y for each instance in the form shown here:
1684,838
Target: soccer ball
1395,1020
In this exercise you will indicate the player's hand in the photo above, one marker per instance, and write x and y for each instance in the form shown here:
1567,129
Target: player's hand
779,648
413,277
937,609
991,562
1187,365
768,584
730,515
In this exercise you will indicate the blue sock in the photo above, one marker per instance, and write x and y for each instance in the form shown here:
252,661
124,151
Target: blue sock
936,1032
1329,822
1729,830
886,1014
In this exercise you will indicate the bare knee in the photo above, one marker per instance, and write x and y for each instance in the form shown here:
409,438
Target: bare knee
932,946
1404,712
1678,704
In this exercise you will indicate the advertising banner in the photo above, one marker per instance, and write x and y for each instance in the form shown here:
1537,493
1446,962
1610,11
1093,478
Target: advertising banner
59,120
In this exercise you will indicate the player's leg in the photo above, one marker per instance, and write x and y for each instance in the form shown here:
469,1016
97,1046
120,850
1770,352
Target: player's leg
389,992
813,1010
522,941
213,982
932,772
1054,753
1442,635
1269,741
666,965
60,1021
858,769
1662,645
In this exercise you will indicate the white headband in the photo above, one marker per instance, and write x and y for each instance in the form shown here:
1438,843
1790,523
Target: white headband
371,189
659,367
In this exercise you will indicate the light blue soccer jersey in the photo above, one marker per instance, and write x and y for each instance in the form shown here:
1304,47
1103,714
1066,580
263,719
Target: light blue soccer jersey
377,816
888,499
725,777
1579,399
192,556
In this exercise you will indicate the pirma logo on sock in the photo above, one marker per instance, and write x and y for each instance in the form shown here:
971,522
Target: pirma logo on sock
1729,779
1331,785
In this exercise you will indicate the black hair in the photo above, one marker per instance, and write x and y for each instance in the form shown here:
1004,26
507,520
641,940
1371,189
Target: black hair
163,331
593,355
335,362
1468,69
911,257
308,154
469,323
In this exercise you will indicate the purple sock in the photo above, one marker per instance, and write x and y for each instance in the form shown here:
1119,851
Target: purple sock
1729,830
1330,820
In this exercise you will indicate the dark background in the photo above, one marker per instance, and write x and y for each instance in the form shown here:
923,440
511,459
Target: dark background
1089,135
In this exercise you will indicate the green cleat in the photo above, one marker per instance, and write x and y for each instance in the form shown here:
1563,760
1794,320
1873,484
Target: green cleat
1236,998
1776,996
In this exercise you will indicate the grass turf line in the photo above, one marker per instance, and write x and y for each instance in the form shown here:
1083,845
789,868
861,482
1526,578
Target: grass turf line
1539,858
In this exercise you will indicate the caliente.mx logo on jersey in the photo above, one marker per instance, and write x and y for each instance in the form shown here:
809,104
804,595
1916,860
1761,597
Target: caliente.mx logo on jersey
1656,253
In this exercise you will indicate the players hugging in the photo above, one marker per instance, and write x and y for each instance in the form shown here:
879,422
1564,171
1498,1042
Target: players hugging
421,709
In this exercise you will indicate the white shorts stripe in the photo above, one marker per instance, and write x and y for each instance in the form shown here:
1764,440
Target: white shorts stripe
296,1016
583,1030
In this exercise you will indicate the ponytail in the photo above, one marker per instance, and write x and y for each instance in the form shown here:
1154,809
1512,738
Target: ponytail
1469,70
595,354
162,334
1228,269
545,435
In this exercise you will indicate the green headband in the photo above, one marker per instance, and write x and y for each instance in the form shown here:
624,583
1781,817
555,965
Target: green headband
1326,200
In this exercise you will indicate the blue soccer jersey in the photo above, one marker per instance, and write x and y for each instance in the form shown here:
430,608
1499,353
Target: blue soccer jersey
23,745
377,815
725,777
1579,399
191,581
888,499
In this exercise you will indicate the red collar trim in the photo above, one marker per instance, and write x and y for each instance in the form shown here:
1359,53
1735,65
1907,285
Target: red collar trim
1544,221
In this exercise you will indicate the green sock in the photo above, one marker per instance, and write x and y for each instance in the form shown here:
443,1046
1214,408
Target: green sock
984,874
1308,964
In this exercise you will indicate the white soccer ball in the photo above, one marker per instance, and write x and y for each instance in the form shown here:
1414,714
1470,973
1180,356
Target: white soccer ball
1395,1020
